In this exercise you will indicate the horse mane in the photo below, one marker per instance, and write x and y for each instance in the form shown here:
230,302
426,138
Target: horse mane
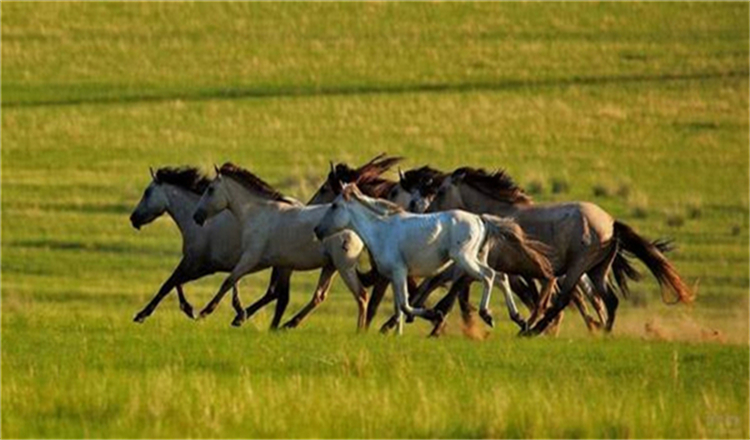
378,206
252,182
425,179
188,178
498,185
367,177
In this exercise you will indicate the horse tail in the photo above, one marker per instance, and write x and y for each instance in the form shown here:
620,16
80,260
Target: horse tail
623,270
652,255
507,234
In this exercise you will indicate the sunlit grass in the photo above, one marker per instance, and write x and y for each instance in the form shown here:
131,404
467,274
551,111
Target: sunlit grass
648,101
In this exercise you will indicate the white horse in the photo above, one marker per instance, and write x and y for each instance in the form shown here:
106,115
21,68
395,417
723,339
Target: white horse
404,244
278,232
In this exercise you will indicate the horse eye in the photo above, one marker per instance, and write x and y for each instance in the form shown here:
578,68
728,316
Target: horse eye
334,207
210,189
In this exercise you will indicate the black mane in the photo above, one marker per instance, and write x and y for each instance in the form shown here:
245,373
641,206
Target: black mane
251,182
188,178
425,179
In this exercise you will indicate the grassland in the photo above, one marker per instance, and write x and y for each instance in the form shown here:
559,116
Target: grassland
642,108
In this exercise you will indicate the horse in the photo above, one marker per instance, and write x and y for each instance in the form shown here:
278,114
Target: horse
586,238
404,244
369,180
421,185
176,191
278,231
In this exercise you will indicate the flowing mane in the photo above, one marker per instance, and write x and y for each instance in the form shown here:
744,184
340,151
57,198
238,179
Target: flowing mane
498,185
252,182
426,180
188,178
367,177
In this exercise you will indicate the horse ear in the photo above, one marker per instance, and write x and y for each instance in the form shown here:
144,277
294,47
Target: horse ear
330,162
400,175
151,170
218,172
458,176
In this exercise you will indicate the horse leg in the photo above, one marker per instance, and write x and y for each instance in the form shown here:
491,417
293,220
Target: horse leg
237,305
422,293
175,279
281,292
400,301
563,298
360,295
324,283
598,276
378,292
273,292
583,310
246,264
587,290
526,291
460,290
185,305
502,281
479,270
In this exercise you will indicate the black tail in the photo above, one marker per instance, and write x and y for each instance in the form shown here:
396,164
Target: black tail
652,255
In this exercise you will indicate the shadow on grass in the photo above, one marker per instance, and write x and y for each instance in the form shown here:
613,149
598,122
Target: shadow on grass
228,93
78,245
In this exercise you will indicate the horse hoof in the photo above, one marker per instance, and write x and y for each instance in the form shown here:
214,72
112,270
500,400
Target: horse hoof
139,318
525,333
438,329
188,311
238,320
487,318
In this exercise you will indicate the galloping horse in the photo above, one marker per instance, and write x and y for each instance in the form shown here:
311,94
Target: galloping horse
422,184
404,244
205,250
277,231
587,239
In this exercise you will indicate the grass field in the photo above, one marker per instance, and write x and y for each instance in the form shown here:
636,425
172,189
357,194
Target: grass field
641,108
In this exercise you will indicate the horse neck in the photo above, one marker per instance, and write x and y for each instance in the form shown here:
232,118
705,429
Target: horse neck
476,202
365,223
245,204
181,207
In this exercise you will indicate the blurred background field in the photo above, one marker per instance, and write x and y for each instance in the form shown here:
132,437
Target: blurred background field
641,108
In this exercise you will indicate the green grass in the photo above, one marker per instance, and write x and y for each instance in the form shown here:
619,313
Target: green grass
649,101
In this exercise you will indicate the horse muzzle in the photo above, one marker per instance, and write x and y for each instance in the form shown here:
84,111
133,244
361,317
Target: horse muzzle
200,217
135,222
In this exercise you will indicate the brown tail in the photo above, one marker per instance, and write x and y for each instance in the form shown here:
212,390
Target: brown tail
651,254
506,232
623,270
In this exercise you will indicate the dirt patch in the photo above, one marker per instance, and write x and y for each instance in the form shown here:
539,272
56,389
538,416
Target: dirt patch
684,329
